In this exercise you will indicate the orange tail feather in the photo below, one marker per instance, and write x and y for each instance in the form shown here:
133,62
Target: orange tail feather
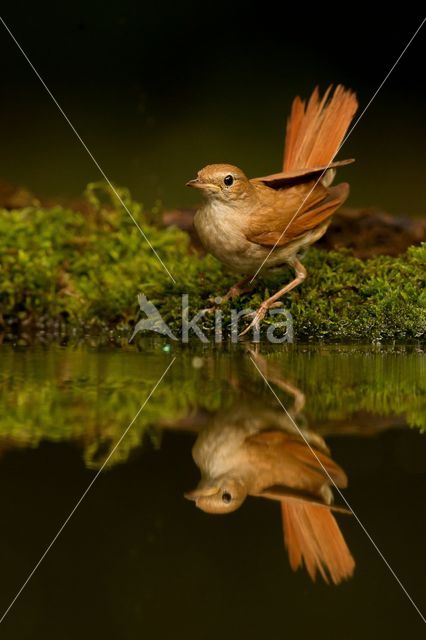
313,538
316,130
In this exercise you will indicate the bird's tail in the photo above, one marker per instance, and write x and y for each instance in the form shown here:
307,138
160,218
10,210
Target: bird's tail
315,130
313,538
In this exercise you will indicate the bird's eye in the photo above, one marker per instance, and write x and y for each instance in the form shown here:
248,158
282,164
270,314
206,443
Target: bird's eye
226,497
228,180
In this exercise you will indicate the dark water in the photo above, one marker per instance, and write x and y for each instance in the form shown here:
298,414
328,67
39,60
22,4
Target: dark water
137,559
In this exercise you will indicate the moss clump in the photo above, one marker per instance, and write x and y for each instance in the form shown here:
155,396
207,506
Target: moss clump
345,298
59,266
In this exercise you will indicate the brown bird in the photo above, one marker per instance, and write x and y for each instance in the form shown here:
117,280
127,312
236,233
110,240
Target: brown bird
266,222
259,453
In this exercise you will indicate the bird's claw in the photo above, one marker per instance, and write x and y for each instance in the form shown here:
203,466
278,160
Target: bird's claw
258,317
255,323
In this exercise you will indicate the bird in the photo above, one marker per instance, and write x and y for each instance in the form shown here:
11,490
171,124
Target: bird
270,221
253,451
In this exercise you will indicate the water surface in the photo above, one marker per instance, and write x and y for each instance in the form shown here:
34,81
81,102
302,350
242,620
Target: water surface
137,559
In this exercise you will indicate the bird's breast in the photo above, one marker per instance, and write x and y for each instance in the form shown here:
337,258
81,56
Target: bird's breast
221,231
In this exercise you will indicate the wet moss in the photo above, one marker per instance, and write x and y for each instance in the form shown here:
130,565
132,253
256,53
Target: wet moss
60,267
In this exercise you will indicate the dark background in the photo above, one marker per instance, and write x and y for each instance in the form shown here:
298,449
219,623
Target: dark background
158,90
138,561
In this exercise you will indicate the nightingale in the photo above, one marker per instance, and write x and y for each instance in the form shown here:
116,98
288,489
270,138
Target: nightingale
258,452
268,222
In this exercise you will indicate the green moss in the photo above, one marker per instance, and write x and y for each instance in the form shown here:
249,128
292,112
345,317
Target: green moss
59,266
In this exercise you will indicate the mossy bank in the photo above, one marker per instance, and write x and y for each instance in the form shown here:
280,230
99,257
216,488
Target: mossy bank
65,268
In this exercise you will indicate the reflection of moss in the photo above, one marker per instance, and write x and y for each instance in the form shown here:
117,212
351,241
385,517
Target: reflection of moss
86,269
90,397
339,382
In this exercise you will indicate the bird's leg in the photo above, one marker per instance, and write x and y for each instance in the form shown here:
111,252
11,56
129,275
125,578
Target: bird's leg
273,375
233,292
238,289
270,302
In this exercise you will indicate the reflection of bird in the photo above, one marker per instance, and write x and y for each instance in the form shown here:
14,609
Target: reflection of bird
271,220
243,454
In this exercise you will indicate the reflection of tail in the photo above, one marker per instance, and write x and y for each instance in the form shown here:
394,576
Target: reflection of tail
313,538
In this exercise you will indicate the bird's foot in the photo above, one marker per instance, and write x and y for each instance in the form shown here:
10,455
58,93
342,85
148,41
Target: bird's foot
234,292
243,286
258,316
208,310
255,323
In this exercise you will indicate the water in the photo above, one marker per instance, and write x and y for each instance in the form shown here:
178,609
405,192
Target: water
137,559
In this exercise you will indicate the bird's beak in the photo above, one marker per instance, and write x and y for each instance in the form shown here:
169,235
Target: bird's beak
201,492
198,184
195,183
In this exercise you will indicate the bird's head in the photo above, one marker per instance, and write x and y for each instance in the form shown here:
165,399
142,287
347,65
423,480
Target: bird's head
222,182
222,495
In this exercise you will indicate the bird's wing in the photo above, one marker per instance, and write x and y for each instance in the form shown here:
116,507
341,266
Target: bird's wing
285,215
281,492
297,176
318,462
311,463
